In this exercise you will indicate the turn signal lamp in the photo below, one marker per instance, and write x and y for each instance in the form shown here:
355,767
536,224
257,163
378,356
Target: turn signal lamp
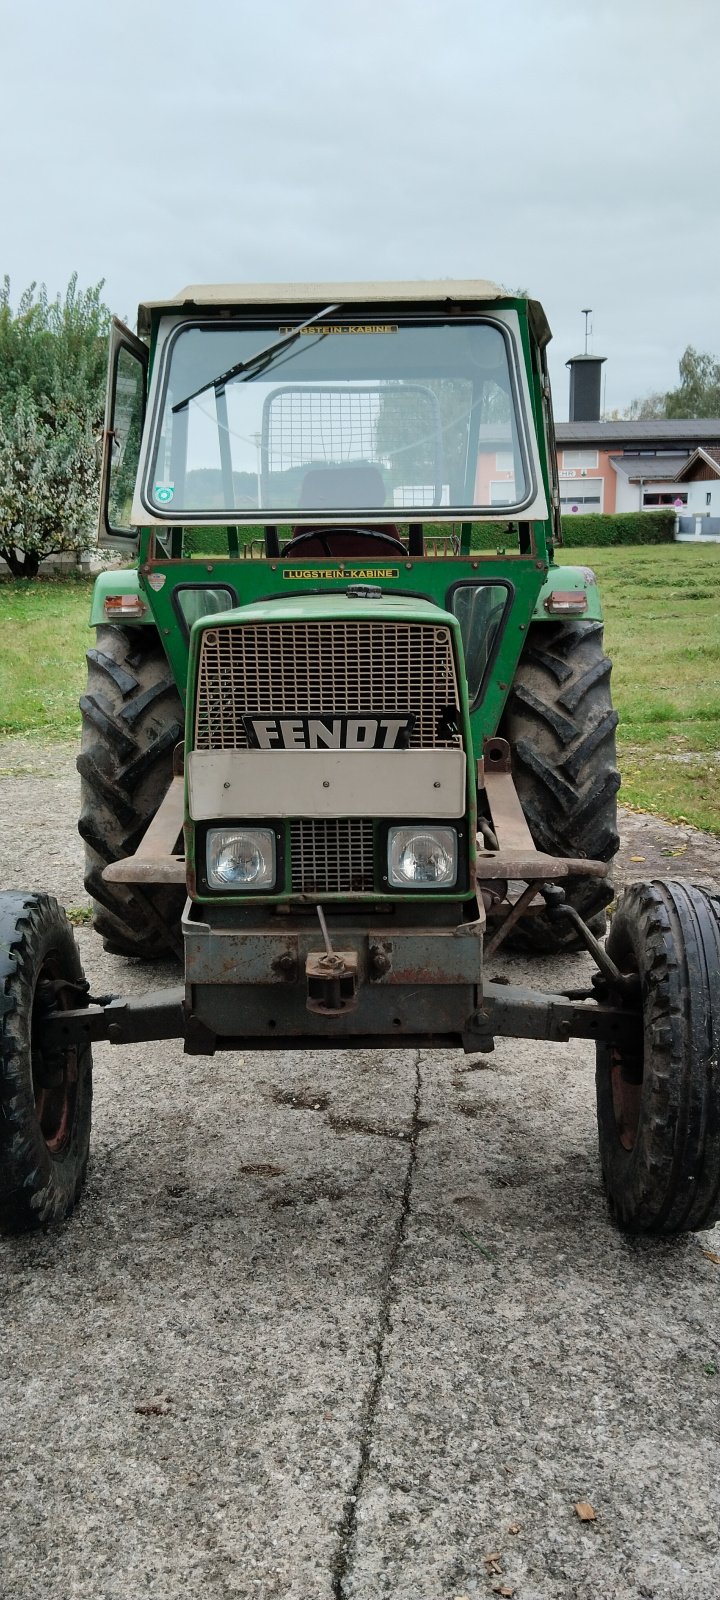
567,602
124,605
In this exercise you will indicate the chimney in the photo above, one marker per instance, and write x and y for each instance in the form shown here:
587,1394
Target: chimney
585,380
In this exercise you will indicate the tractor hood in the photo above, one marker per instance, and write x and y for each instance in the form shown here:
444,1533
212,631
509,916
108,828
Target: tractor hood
333,607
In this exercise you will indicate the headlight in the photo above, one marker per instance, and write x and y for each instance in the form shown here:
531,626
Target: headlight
426,858
241,858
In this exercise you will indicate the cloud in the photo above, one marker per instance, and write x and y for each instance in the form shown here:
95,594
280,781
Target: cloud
567,146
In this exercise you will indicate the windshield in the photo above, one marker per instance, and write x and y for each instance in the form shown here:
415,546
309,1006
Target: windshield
374,418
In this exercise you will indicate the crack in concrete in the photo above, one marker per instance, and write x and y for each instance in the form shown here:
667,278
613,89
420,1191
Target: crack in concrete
348,1526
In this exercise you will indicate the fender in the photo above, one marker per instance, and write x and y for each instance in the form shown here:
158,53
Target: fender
569,580
126,582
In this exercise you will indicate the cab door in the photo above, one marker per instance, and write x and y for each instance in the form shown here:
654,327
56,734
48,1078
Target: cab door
122,437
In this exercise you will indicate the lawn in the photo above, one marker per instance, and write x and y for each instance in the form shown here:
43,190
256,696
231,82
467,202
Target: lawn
44,632
662,631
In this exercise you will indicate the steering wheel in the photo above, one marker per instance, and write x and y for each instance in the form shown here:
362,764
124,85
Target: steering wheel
322,536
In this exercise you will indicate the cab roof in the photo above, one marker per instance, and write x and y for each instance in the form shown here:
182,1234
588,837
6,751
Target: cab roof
213,296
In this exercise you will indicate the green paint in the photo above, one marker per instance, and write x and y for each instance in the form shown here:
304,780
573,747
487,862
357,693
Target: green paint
417,583
566,578
416,589
330,607
127,581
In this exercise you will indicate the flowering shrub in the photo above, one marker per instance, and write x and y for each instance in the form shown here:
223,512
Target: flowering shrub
52,381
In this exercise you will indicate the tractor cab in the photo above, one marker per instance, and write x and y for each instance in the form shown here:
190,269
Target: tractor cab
387,405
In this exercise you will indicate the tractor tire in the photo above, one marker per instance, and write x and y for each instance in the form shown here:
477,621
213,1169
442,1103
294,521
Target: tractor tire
658,1109
132,718
45,1100
560,724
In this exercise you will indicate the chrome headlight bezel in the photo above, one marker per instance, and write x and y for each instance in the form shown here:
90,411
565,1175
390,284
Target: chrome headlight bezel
398,840
263,838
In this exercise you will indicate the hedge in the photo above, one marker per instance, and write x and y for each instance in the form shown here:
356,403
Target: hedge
627,527
214,541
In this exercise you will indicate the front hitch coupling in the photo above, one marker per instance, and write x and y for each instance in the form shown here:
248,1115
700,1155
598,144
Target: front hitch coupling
332,977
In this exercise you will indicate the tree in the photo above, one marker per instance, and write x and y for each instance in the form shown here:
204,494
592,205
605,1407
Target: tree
48,486
653,405
53,355
697,394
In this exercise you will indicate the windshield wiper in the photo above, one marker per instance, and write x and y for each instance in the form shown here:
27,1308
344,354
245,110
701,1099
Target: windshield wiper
269,350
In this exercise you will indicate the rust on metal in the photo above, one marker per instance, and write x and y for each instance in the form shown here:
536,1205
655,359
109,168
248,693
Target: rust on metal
496,756
154,860
508,818
168,869
166,826
332,981
517,856
515,865
514,913
380,952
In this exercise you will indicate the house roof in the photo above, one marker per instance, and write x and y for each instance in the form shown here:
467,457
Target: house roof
641,469
709,457
652,431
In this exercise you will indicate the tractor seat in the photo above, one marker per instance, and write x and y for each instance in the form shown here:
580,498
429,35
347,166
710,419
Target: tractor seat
359,484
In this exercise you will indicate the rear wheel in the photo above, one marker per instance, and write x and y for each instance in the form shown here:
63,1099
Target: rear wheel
45,1097
658,1108
132,718
560,724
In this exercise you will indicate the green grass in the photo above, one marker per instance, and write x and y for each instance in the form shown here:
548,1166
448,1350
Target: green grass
662,629
44,634
662,606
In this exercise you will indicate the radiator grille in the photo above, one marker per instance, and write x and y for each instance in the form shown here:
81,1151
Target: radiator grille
329,857
280,668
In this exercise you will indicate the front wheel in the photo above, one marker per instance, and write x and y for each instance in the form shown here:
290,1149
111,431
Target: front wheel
658,1107
45,1098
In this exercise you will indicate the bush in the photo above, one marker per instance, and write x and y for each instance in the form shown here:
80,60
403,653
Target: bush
53,355
48,487
628,527
625,527
209,541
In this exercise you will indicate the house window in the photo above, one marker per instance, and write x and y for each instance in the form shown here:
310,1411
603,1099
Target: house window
580,460
503,493
588,497
504,461
669,498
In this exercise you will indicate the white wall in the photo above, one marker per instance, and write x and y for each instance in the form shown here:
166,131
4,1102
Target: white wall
697,497
627,495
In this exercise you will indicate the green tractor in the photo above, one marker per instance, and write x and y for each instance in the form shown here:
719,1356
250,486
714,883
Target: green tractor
348,729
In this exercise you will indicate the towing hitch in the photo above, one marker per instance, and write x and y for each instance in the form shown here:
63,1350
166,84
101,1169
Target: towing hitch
332,977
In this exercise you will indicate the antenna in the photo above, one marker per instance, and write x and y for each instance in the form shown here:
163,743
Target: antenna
586,312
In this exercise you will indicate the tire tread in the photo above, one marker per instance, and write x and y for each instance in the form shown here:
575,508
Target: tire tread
132,720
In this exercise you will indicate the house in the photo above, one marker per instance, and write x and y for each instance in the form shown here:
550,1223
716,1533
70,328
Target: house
700,480
637,466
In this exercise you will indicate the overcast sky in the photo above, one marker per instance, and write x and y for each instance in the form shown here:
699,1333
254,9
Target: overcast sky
566,146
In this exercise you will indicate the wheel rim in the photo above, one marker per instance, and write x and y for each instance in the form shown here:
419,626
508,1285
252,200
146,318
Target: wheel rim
54,1078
